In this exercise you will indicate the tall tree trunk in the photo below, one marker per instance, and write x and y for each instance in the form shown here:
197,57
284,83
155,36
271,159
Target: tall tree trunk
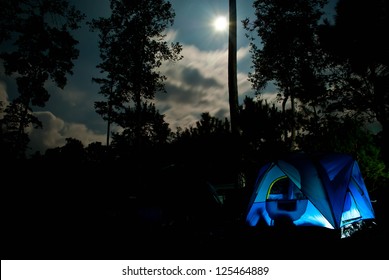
235,151
232,69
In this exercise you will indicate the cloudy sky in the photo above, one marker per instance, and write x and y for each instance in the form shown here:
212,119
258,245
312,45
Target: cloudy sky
196,84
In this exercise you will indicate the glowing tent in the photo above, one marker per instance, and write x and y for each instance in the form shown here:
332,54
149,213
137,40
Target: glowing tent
325,190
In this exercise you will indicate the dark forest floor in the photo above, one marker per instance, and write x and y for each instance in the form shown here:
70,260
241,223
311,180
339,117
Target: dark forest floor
115,240
31,236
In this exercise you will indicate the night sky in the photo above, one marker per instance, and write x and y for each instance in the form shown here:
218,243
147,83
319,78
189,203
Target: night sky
196,84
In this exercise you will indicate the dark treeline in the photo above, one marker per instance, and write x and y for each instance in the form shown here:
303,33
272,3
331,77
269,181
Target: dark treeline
332,81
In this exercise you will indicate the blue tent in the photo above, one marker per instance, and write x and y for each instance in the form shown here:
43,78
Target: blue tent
324,190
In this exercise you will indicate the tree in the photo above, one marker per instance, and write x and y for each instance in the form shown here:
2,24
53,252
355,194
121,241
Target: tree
261,130
288,55
38,46
14,142
206,148
359,53
232,69
73,151
154,131
132,48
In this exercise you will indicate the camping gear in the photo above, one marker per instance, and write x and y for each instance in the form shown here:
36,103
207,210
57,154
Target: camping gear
324,190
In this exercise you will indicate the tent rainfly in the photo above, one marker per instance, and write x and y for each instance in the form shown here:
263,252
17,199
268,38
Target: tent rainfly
325,190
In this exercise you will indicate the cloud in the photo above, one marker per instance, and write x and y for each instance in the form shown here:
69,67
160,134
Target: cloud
55,131
197,84
73,96
193,77
71,104
171,35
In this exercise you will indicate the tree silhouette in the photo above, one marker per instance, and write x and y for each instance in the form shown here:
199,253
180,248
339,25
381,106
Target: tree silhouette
38,47
261,130
232,70
206,148
288,54
132,47
360,62
154,131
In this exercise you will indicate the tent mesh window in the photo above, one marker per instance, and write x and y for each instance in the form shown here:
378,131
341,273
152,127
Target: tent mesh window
284,189
285,202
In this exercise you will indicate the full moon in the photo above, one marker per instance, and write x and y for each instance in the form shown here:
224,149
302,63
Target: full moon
220,23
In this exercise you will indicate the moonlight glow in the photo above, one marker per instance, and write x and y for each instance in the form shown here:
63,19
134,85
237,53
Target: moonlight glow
220,23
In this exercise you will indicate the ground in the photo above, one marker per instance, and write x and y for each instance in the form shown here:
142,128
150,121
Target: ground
45,221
